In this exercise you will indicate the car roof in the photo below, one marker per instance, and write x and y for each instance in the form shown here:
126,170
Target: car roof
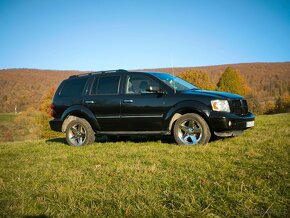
112,71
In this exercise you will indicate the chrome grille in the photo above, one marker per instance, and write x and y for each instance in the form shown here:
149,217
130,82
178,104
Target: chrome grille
239,107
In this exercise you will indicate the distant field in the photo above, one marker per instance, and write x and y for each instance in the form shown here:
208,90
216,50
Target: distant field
7,117
245,176
6,122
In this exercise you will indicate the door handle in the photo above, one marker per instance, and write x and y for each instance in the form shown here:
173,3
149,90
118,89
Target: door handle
127,101
89,102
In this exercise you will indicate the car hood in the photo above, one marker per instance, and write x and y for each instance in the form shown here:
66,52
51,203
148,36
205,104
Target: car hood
213,94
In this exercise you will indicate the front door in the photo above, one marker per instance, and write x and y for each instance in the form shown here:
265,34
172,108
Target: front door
141,110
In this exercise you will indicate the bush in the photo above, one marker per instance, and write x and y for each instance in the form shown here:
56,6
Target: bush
26,125
282,105
44,116
254,104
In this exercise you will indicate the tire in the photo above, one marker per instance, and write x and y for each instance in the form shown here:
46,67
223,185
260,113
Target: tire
191,129
79,132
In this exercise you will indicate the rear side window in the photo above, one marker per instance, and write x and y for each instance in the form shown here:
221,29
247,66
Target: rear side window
73,87
106,85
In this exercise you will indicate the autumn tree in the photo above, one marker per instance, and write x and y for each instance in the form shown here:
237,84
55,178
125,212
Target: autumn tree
197,78
232,81
45,115
254,104
282,105
46,101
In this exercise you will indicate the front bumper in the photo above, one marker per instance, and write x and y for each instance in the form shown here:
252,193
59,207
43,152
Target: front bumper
56,125
229,122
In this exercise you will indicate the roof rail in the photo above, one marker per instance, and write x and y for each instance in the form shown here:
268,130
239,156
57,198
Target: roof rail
98,72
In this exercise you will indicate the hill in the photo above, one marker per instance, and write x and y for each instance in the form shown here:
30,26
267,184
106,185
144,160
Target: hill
245,176
25,88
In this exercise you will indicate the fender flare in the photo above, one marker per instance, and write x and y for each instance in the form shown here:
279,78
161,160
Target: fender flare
82,112
189,106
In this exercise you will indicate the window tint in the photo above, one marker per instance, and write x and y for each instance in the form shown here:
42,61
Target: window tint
137,84
106,85
73,87
95,86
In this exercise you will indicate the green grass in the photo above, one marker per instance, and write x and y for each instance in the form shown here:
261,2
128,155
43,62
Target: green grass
244,176
6,124
7,117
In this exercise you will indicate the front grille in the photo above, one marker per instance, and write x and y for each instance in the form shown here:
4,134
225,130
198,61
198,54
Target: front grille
239,107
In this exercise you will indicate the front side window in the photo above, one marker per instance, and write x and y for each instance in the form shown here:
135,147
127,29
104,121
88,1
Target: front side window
73,87
106,85
138,84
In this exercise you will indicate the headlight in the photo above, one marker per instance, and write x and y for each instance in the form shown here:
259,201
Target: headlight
220,105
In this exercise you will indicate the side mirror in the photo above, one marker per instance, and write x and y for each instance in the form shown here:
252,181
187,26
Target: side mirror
153,89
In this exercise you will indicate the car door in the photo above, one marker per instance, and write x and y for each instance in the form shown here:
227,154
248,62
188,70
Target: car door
141,110
104,101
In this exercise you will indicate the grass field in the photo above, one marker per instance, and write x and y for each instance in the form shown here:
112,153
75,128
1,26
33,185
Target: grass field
7,117
6,123
244,176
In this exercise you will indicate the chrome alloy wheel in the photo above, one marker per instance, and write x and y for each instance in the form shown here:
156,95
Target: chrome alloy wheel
77,134
190,132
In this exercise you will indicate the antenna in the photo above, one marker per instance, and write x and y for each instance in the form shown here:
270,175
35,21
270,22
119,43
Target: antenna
172,69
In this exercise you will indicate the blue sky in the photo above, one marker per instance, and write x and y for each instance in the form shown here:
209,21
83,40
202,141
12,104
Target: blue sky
132,34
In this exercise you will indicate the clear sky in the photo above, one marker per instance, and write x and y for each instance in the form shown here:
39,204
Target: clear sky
132,34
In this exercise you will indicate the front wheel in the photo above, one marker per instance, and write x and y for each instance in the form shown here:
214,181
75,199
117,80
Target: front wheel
79,132
191,129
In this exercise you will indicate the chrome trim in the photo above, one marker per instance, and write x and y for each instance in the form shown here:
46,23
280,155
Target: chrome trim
127,101
89,102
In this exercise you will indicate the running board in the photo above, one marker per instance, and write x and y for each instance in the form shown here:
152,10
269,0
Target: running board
134,132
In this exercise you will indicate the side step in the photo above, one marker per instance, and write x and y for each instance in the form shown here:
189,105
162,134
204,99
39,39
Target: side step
134,132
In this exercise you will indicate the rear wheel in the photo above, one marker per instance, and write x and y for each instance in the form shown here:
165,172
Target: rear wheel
191,129
79,132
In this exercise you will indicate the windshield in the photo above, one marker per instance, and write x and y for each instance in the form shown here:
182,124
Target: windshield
174,82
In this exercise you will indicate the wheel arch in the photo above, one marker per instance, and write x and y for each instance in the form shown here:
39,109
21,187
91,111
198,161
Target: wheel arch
81,112
184,108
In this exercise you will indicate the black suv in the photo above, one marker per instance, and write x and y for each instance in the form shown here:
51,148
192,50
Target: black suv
124,103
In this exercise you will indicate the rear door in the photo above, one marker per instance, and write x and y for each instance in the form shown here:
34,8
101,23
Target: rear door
104,100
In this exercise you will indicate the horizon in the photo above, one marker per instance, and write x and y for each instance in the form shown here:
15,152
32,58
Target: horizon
246,63
98,35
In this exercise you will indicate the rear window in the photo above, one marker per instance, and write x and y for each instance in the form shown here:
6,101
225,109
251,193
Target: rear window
106,85
73,87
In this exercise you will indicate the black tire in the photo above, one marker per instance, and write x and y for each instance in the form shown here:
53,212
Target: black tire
79,132
191,129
